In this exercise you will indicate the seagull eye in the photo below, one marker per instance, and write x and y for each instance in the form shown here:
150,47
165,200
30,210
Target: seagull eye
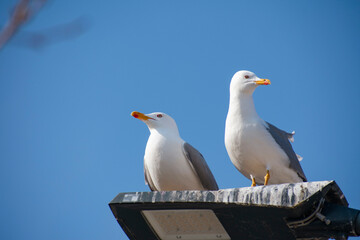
159,115
246,76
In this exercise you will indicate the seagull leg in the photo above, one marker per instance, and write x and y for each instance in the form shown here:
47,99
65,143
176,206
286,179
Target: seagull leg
253,183
267,177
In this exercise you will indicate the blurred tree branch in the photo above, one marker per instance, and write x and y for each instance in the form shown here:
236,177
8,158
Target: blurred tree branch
58,33
23,12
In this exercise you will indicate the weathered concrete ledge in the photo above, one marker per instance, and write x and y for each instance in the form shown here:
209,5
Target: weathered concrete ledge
282,195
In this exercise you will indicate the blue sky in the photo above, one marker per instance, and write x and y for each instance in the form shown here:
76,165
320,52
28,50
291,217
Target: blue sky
68,144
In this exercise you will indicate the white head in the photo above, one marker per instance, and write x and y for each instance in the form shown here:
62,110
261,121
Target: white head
245,82
158,121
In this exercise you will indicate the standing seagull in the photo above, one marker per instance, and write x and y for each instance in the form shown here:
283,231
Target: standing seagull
170,163
258,148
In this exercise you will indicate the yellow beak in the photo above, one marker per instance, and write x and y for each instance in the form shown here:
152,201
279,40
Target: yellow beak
140,116
263,82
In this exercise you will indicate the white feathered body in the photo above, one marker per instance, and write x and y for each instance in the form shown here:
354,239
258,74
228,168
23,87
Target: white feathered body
251,147
167,165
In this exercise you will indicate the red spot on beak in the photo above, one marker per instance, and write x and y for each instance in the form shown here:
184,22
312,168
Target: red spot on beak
135,116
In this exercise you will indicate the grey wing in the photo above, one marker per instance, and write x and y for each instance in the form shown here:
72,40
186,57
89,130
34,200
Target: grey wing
282,138
148,179
200,166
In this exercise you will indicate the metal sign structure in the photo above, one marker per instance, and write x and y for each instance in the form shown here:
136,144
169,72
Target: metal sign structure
311,210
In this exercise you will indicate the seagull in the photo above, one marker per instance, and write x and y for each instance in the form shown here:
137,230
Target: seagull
257,148
170,163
